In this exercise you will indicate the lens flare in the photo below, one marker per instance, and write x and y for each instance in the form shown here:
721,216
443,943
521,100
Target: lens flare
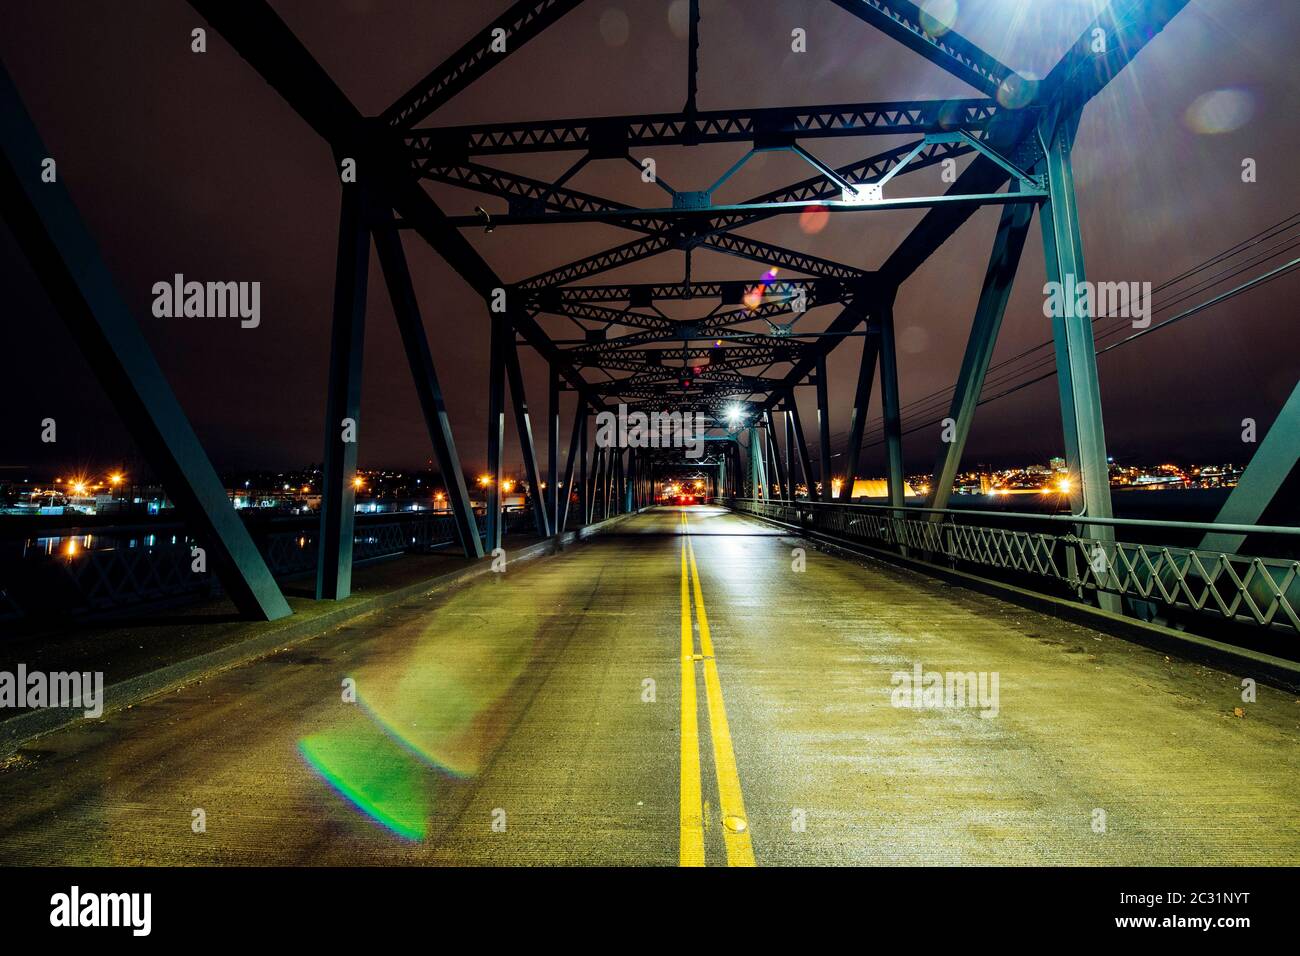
1220,111
375,775
1017,91
938,16
814,219
614,27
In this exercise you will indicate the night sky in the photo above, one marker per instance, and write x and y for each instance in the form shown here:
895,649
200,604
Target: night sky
192,164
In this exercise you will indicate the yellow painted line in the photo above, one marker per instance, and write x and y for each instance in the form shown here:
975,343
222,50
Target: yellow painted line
691,851
735,824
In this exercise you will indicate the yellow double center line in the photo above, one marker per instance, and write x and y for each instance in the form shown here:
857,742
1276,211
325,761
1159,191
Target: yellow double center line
735,824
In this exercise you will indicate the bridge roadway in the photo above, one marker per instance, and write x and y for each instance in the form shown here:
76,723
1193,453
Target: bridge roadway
675,692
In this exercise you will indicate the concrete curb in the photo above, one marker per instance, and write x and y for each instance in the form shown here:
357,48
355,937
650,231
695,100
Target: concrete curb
1266,668
22,728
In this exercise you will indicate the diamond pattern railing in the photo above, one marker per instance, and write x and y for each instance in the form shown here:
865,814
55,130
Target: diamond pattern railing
1254,590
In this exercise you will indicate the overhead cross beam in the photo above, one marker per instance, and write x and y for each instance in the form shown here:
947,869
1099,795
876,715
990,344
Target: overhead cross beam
611,137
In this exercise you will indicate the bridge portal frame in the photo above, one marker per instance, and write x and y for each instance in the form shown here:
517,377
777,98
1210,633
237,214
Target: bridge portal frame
1014,132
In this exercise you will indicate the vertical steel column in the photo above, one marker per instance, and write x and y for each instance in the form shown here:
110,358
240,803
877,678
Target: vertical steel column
343,399
616,485
67,262
776,454
998,279
553,449
824,430
524,429
889,402
757,464
1076,359
805,463
789,450
597,463
500,328
415,342
575,439
584,489
861,400
629,482
613,462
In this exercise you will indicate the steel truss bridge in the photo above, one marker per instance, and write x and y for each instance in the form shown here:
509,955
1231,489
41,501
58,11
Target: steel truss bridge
750,345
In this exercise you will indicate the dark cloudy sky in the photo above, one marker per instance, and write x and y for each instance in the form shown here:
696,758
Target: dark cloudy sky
191,163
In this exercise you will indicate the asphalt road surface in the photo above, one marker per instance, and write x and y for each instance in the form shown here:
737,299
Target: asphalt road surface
696,688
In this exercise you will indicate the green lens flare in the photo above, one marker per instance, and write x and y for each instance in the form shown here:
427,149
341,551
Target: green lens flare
375,774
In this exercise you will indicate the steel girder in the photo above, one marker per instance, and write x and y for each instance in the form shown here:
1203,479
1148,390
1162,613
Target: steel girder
343,396
801,444
861,398
66,260
524,431
720,357
552,497
889,403
645,293
994,295
577,448
690,215
500,333
688,238
782,475
415,342
824,430
526,195
611,137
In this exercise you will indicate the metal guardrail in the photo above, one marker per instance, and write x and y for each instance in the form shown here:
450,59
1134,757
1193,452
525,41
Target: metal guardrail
1255,590
153,564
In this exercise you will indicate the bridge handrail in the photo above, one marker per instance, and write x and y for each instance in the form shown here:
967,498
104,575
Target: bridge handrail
1157,578
1071,518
